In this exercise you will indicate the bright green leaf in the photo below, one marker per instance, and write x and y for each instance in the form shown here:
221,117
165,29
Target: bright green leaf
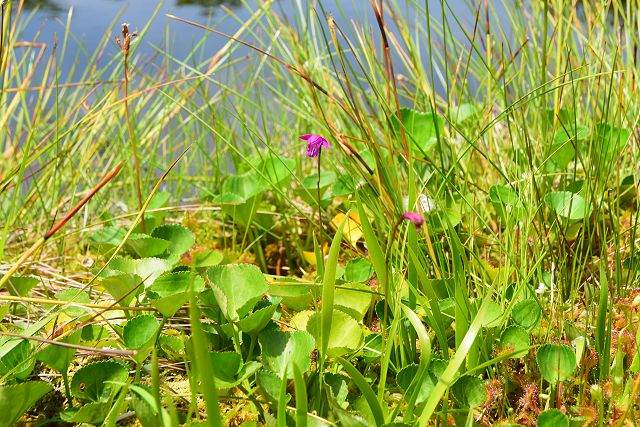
98,382
281,350
237,288
557,362
345,336
16,399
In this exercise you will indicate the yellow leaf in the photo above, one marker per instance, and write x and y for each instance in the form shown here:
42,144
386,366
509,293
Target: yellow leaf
310,256
352,231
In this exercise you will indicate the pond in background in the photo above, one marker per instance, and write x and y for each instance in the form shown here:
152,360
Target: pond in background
90,19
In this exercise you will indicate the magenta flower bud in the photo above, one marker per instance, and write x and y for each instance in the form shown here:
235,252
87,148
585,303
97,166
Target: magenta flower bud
415,218
315,143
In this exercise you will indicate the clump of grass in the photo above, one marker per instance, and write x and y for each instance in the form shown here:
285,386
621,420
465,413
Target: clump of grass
513,137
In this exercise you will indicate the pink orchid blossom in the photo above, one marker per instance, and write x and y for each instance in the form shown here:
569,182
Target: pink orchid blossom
415,218
315,143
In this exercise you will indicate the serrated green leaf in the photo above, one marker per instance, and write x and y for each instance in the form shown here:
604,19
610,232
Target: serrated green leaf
140,331
237,288
515,339
170,291
99,381
346,334
148,269
180,239
123,287
469,391
255,322
281,350
143,245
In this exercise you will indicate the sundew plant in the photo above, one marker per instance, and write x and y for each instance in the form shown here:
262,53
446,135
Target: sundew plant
403,218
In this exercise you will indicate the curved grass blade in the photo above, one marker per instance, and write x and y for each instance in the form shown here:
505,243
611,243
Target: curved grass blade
454,364
365,389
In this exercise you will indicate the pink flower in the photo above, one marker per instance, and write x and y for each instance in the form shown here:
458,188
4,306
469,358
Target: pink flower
315,143
415,218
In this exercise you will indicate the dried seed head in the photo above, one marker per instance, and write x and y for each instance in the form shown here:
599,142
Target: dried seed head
124,43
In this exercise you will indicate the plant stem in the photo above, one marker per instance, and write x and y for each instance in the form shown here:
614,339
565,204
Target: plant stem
385,317
319,195
132,139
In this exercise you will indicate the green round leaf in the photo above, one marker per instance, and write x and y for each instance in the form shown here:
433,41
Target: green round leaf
345,336
339,386
372,347
421,129
143,246
237,288
171,291
515,340
97,381
258,320
18,361
281,350
469,391
557,362
358,270
492,316
147,269
552,418
295,296
408,374
227,364
354,299
506,202
526,314
276,171
568,205
91,413
180,238
173,346
21,285
140,331
74,296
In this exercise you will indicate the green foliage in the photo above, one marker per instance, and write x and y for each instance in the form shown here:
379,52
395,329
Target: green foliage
139,334
552,418
21,285
344,337
18,361
98,381
281,351
421,129
237,288
16,399
170,291
568,205
515,340
557,362
526,314
338,310
469,391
